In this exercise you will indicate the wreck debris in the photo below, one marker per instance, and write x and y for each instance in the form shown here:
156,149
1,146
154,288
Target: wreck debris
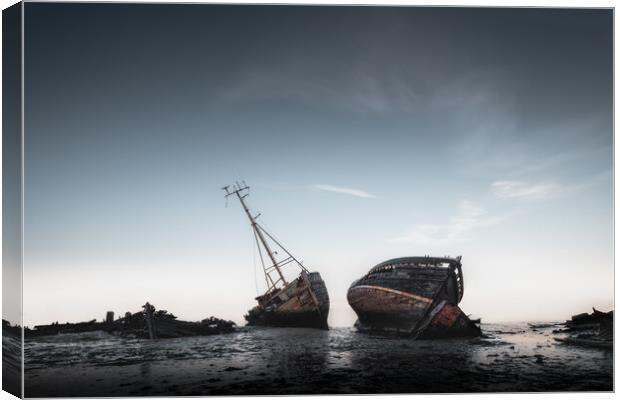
596,319
302,302
148,316
541,326
12,330
147,324
413,295
592,330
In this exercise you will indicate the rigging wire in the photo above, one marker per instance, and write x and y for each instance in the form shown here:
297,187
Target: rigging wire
257,227
275,240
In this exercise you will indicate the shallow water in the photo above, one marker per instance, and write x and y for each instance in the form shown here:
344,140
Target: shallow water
294,361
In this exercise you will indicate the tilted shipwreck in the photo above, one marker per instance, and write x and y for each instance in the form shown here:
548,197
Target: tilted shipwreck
302,302
413,295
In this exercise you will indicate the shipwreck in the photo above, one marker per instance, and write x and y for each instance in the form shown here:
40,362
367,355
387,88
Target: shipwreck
417,296
589,330
146,324
301,302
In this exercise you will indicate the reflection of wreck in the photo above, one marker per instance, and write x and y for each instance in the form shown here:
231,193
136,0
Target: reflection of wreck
302,302
413,295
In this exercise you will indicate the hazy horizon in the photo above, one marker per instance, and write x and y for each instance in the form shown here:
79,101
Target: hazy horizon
365,133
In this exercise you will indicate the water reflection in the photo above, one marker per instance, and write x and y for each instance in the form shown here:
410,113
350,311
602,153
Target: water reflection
297,352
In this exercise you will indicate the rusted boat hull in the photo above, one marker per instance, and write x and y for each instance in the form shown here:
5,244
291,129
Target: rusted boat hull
302,319
304,303
446,320
380,308
412,295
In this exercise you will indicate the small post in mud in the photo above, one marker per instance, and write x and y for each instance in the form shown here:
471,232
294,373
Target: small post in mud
109,317
149,310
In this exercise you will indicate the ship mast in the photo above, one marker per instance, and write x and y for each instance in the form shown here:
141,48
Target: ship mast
242,191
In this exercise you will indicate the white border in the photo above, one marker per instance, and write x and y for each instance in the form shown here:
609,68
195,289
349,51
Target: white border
479,3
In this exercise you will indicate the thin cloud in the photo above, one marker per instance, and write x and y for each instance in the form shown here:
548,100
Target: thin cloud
344,190
469,218
524,190
538,191
360,91
571,158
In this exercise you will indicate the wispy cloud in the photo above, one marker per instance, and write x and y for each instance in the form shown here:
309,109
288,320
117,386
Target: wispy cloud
358,91
524,190
469,217
545,190
343,190
573,158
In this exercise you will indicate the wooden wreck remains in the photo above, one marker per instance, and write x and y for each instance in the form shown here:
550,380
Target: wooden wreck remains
418,296
148,324
300,302
590,330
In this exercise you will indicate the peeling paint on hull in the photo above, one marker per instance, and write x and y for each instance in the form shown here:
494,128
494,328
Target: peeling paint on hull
380,308
447,321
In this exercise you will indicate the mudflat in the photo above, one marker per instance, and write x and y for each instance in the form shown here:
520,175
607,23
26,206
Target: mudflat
254,360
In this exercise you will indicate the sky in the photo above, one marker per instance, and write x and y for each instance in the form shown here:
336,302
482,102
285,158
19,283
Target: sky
11,165
365,133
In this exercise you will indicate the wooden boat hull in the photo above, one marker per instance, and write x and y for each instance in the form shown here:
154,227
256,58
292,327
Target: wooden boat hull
413,295
446,320
381,308
304,303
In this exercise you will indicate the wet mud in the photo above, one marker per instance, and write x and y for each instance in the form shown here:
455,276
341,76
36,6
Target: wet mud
254,360
12,361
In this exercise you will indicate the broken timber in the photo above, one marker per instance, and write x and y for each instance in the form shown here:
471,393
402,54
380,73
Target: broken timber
589,330
147,324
